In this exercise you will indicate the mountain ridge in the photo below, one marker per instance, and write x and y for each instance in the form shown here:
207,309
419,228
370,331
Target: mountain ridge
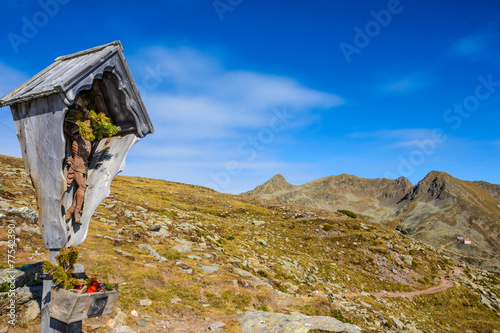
434,210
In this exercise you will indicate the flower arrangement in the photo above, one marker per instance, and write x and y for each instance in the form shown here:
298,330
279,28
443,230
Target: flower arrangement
94,286
62,274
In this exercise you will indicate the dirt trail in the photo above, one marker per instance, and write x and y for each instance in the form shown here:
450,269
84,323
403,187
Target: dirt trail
446,282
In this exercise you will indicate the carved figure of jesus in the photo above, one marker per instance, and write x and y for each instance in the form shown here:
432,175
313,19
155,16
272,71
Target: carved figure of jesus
77,172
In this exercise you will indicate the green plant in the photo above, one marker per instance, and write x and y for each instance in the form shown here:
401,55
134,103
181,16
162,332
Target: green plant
91,125
264,307
109,286
61,273
263,273
4,287
347,213
337,314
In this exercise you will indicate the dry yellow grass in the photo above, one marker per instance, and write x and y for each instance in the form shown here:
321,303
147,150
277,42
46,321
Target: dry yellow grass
314,250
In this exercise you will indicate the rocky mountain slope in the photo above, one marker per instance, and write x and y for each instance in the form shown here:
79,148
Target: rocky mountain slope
435,210
189,259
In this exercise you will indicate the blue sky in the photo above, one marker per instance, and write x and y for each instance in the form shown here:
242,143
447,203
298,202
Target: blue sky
241,90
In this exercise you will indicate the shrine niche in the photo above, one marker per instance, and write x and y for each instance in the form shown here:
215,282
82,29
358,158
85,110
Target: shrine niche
76,121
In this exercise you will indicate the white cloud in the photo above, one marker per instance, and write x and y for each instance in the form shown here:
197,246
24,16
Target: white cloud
197,97
479,45
408,83
204,113
398,134
469,46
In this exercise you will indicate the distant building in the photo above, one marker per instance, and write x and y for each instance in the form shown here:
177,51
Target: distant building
463,239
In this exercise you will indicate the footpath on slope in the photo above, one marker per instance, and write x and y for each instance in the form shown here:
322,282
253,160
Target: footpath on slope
446,282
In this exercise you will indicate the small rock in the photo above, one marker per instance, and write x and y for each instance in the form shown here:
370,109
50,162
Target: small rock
407,259
486,302
291,287
134,313
218,326
399,323
123,253
145,302
214,239
257,223
175,301
182,248
111,323
143,322
262,242
210,269
242,272
34,230
152,252
123,329
155,227
163,232
412,328
128,213
120,318
184,267
32,310
194,257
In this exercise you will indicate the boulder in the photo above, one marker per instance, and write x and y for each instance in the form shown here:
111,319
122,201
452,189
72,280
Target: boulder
263,322
22,295
24,276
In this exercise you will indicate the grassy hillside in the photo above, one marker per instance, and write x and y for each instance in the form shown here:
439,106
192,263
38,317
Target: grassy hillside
219,255
434,210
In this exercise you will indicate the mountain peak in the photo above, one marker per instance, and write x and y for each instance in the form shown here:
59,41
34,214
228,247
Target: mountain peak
274,185
435,185
403,181
277,177
438,174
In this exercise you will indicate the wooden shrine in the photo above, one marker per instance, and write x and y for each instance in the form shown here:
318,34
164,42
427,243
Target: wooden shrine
72,172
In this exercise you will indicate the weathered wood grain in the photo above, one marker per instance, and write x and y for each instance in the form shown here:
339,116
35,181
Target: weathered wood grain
39,125
70,307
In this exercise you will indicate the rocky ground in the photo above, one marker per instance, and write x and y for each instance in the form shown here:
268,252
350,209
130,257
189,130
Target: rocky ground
189,259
